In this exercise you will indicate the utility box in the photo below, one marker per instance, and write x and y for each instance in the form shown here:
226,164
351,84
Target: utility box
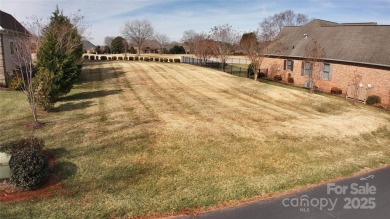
5,171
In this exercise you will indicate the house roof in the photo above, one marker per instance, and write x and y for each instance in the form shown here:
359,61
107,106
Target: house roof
88,45
8,22
367,43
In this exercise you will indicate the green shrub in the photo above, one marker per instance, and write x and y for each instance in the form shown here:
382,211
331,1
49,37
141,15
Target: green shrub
86,57
161,59
156,59
170,60
146,59
114,58
120,58
125,58
261,75
290,80
109,58
336,90
15,82
17,146
277,78
136,58
29,169
131,58
97,57
165,60
177,60
373,99
92,58
103,58
141,58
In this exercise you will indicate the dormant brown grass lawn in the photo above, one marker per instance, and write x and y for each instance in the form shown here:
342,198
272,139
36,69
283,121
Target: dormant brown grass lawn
144,138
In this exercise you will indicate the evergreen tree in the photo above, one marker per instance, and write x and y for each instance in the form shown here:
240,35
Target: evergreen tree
118,45
59,58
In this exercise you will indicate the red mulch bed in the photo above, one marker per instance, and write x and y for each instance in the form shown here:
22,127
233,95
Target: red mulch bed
10,193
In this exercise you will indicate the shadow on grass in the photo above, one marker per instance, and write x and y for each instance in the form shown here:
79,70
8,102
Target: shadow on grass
72,106
90,95
65,170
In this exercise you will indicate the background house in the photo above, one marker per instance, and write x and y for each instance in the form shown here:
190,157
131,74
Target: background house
350,49
88,47
10,28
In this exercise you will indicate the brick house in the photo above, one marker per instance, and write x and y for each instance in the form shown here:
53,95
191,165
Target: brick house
9,29
350,49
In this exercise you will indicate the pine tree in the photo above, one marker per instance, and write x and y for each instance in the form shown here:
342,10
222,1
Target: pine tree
59,59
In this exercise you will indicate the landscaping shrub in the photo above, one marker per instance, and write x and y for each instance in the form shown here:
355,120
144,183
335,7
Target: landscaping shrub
86,57
29,168
136,58
131,58
161,59
141,58
109,58
261,75
103,58
165,60
15,82
277,78
120,58
125,58
373,99
114,58
177,60
92,58
156,59
170,60
290,80
29,165
147,59
97,57
336,90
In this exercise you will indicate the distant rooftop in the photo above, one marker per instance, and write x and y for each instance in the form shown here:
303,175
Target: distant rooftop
8,22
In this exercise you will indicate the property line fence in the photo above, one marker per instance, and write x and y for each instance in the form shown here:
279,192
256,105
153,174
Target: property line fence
229,67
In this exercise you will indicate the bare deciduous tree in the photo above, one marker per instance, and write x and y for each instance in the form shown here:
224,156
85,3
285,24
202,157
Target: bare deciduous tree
225,38
108,40
251,47
22,59
314,54
203,46
188,39
138,31
271,26
162,41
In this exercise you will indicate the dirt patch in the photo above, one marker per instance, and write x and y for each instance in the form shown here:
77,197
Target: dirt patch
11,193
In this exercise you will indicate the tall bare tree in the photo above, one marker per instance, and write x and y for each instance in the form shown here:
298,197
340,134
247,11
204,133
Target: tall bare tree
251,47
22,59
138,31
314,54
225,38
272,25
108,40
162,41
203,46
188,39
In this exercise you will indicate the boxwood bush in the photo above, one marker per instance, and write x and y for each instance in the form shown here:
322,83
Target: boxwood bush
114,58
131,58
29,165
109,58
177,60
277,78
141,58
170,60
336,90
165,60
373,99
156,59
92,58
86,57
146,59
136,58
103,58
120,58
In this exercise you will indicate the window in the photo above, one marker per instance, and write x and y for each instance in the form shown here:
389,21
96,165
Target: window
289,65
11,46
326,72
306,68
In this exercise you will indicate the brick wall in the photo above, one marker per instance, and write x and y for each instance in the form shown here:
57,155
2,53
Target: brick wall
341,76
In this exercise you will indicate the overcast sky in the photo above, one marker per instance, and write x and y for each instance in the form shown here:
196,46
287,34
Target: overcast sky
173,17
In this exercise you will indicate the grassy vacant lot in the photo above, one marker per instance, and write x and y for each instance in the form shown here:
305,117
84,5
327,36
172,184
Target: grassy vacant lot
139,139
